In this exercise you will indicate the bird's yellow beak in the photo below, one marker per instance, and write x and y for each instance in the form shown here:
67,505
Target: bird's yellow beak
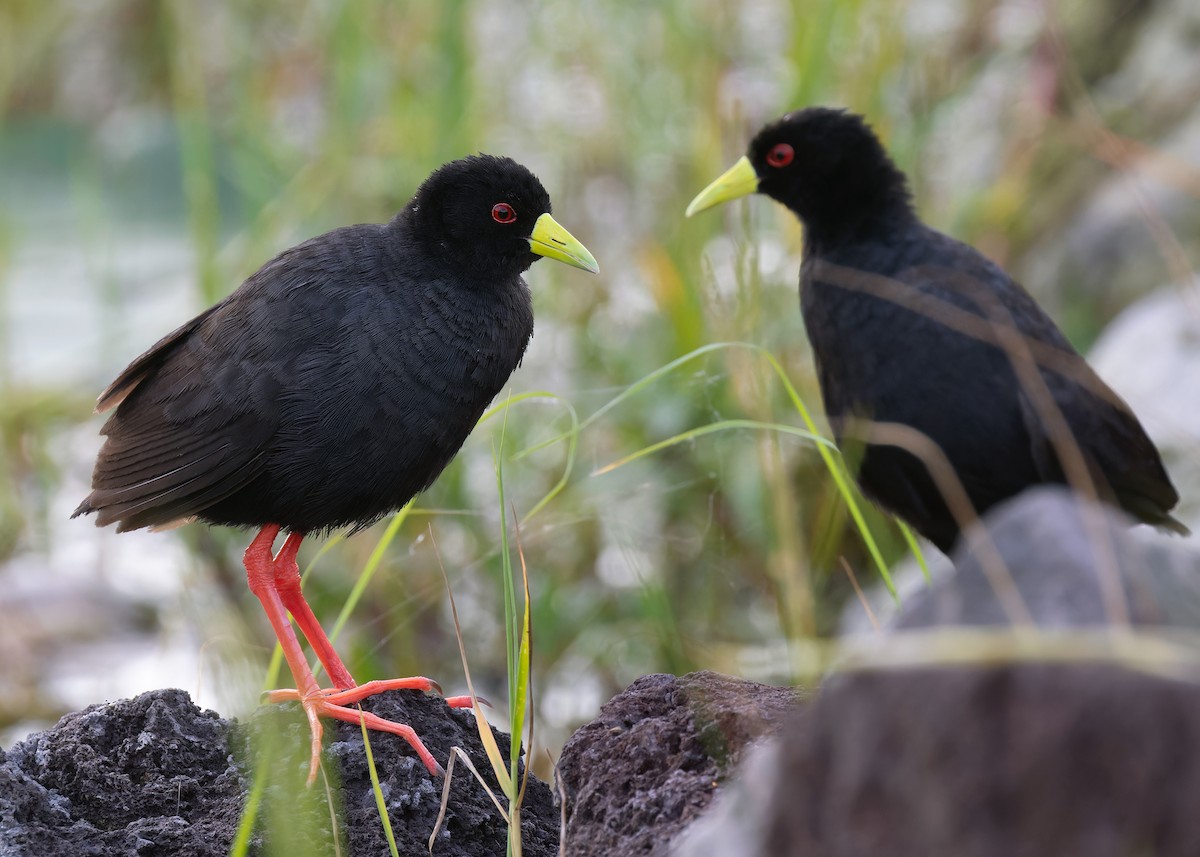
738,180
552,241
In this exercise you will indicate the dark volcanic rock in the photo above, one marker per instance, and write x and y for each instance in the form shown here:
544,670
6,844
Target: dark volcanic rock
156,775
473,826
651,762
146,775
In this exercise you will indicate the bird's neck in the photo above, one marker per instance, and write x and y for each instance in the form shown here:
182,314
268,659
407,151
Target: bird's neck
855,212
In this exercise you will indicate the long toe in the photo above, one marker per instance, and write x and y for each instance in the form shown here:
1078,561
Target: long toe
332,702
373,721
466,701
350,695
316,730
360,692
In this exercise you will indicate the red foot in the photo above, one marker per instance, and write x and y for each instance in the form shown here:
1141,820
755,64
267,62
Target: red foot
318,706
275,581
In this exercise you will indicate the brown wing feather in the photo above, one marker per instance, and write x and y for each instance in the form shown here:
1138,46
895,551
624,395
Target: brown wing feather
179,494
169,453
142,366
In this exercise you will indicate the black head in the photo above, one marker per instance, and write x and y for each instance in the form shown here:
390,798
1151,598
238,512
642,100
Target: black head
825,165
491,216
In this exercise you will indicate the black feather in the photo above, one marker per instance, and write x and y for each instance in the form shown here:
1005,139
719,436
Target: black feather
339,379
910,326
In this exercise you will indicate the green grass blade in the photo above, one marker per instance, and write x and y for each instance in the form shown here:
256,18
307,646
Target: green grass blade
521,704
906,531
517,636
377,789
276,665
572,437
837,470
829,455
189,99
511,631
274,668
360,586
636,387
241,840
481,722
711,428
368,572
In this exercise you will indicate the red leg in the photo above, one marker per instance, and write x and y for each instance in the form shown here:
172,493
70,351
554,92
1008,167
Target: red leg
287,581
275,581
260,572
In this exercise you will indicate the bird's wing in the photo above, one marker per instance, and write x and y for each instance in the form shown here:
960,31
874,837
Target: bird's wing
190,428
1115,447
136,488
1117,450
154,357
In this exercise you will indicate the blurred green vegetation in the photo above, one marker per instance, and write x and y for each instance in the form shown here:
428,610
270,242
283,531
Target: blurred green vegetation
202,138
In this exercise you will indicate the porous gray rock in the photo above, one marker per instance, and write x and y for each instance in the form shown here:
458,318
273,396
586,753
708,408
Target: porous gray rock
152,773
155,775
649,765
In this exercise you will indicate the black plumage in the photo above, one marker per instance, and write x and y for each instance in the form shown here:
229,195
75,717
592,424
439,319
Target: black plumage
339,379
328,389
917,334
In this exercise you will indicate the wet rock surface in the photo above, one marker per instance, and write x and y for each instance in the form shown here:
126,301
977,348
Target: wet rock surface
157,775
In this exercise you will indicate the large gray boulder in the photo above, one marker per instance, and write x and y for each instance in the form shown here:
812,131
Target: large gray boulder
917,746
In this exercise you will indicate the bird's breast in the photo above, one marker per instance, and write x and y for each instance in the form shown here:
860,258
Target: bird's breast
386,397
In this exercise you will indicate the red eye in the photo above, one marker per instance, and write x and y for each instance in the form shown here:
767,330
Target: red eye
502,212
781,155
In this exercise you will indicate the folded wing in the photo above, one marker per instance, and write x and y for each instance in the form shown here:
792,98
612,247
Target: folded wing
187,432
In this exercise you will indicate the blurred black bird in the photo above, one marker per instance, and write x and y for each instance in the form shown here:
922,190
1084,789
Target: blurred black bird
329,388
929,353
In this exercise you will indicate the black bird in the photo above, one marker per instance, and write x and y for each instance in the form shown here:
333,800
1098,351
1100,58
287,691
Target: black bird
928,352
329,388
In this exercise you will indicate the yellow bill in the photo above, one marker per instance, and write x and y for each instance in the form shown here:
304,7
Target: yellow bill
552,241
738,180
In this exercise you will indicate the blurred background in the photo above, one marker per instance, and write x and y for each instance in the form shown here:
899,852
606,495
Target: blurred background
155,153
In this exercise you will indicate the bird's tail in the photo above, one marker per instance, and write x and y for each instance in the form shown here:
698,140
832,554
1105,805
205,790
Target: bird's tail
1171,524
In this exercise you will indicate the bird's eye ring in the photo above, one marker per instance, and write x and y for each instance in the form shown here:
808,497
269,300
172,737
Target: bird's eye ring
502,212
781,155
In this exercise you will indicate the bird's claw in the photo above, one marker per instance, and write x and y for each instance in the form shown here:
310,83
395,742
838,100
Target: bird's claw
467,701
332,702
